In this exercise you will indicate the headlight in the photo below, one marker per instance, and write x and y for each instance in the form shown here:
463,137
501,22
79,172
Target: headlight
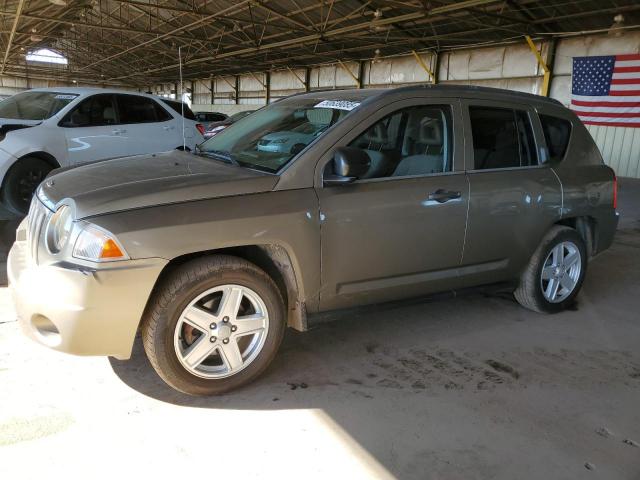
98,245
59,229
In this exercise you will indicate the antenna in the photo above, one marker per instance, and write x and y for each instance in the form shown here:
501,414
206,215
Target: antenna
184,140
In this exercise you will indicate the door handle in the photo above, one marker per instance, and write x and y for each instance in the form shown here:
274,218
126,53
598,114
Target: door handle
118,131
443,196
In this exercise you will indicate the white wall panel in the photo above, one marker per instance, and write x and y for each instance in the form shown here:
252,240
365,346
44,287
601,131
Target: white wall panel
620,148
527,85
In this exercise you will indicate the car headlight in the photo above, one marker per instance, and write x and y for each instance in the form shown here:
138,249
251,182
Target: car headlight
98,245
59,229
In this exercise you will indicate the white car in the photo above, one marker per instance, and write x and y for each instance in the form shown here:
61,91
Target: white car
47,128
291,141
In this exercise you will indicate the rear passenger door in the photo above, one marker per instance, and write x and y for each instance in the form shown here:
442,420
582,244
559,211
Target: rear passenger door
398,230
147,127
514,197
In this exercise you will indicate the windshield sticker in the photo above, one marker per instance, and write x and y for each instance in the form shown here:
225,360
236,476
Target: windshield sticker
337,104
60,96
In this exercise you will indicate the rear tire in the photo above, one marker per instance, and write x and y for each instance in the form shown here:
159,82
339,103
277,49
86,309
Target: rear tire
555,273
21,182
191,339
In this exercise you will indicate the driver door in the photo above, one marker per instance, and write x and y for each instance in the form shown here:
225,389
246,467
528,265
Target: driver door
397,231
92,130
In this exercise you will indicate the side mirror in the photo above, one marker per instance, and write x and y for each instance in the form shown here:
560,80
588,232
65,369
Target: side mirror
348,165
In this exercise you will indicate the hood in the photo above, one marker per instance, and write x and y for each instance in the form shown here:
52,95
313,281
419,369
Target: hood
19,121
7,126
149,180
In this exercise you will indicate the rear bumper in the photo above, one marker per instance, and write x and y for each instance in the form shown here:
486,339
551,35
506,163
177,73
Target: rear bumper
81,311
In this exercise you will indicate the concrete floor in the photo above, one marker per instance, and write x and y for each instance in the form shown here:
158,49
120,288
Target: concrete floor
469,388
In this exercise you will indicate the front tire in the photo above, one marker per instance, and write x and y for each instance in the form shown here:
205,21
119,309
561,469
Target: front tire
21,181
213,325
555,273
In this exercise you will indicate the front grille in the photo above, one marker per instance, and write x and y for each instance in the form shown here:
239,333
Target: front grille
38,213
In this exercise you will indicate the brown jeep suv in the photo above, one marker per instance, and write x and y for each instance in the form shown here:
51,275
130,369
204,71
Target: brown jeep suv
316,202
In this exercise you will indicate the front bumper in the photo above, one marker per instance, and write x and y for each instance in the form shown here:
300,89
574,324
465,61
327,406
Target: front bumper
77,310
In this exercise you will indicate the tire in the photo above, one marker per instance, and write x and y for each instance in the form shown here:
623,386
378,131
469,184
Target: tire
21,181
174,344
535,292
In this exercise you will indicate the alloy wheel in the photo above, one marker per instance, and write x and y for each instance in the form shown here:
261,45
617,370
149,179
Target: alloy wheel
561,272
221,331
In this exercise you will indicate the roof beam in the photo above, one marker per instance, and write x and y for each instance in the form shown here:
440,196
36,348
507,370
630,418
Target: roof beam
12,34
168,34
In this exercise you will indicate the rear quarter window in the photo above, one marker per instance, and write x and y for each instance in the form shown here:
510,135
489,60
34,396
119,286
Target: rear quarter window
178,107
557,132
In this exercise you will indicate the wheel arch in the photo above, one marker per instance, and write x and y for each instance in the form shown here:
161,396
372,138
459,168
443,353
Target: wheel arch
586,226
275,261
47,157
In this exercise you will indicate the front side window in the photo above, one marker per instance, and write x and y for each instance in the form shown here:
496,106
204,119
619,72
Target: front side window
502,138
135,109
35,105
556,133
412,141
95,111
271,137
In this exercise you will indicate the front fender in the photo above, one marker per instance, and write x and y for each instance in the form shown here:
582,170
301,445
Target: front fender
287,219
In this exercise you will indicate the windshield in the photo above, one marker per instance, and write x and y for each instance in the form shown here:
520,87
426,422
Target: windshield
269,138
35,105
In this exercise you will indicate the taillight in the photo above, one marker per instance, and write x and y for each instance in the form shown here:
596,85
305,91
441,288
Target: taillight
615,192
200,128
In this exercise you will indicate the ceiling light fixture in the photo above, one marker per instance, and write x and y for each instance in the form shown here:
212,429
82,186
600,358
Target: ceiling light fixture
617,28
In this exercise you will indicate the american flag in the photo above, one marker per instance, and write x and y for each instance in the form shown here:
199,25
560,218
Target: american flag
606,90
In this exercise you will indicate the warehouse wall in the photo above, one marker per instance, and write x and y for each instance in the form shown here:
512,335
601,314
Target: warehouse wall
10,85
620,146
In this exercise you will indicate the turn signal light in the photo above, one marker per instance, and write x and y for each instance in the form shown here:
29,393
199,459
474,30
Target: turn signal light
98,245
110,249
200,128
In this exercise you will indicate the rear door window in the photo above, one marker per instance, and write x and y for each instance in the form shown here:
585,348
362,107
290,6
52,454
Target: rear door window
135,109
502,138
557,132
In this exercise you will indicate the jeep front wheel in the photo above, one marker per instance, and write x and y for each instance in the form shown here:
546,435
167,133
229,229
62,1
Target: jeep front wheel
213,325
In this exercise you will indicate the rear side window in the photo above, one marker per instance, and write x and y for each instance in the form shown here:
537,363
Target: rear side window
135,109
556,133
502,138
177,107
95,111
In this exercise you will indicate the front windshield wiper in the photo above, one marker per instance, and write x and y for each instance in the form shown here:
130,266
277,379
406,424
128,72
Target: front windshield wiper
219,154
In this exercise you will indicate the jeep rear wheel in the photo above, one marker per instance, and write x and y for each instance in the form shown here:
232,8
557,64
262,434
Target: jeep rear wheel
213,325
21,181
555,273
